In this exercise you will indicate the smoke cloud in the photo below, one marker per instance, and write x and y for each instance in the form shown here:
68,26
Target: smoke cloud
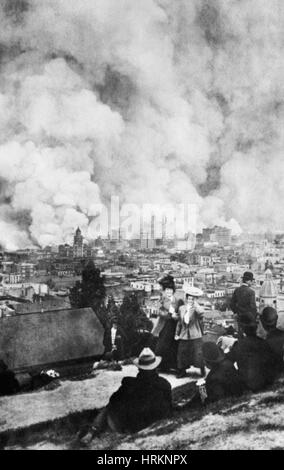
159,101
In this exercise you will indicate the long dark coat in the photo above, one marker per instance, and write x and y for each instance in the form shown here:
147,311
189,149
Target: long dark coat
166,346
275,339
140,401
255,360
223,381
243,301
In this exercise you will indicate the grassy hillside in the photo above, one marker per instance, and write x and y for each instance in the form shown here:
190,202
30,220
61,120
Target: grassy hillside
252,422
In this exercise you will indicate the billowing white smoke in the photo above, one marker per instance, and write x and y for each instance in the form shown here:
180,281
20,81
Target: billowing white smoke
155,101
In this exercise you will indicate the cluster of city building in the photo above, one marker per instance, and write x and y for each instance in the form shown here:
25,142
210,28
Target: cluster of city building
40,279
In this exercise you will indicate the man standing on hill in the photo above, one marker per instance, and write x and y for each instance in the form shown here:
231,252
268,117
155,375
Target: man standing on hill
243,300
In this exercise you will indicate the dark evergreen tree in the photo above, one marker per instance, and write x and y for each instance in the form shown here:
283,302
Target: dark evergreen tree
135,324
90,292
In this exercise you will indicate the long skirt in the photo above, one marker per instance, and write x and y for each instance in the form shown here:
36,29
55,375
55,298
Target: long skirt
189,353
167,345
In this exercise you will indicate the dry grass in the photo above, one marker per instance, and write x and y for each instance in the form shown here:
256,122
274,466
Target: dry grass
254,422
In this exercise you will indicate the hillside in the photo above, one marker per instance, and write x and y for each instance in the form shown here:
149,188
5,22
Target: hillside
254,422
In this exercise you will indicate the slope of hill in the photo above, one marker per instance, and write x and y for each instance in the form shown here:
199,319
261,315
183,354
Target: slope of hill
254,422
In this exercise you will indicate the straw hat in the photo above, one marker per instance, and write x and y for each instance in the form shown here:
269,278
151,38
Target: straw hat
147,360
192,291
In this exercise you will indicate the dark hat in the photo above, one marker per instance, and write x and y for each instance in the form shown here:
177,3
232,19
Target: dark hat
269,316
212,353
167,282
248,276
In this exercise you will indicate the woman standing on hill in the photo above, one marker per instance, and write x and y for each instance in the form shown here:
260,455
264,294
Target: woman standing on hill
165,328
189,332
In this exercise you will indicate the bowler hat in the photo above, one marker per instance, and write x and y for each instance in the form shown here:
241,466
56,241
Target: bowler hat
147,360
269,316
192,290
248,276
211,353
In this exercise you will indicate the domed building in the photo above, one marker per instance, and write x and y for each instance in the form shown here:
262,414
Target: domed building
268,292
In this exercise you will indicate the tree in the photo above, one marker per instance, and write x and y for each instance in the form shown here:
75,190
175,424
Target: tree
90,292
180,257
223,304
134,322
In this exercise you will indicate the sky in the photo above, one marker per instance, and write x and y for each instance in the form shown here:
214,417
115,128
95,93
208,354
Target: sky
156,102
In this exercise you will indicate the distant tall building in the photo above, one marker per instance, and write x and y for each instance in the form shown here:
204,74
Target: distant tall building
115,234
152,241
64,251
152,227
206,234
223,236
143,241
78,247
164,228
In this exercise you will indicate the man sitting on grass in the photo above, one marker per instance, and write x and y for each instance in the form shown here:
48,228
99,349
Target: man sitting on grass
139,401
254,357
275,336
223,379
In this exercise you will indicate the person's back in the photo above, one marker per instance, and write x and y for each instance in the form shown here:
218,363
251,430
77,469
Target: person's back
243,299
140,401
223,381
255,360
275,337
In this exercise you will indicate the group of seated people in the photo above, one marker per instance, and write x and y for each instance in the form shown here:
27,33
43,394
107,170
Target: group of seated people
250,363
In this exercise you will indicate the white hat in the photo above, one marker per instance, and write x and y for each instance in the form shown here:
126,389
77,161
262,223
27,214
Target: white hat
147,360
192,290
